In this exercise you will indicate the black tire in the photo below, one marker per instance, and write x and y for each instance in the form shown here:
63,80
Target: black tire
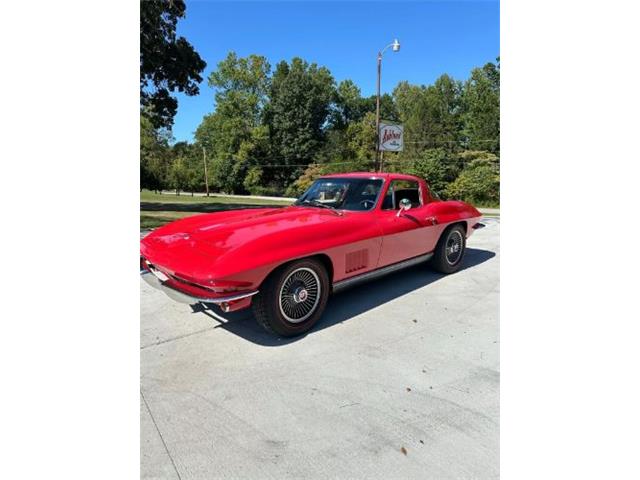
449,253
286,304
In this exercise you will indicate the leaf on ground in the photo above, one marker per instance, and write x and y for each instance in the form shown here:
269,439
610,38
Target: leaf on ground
403,450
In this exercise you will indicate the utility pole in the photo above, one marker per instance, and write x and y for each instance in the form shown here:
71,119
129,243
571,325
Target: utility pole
395,46
378,164
206,178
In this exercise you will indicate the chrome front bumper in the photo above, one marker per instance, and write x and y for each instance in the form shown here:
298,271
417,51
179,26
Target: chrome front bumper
181,297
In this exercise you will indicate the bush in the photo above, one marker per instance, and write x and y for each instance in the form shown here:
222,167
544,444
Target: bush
478,183
301,185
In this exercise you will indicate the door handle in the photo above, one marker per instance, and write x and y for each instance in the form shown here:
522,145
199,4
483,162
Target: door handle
432,220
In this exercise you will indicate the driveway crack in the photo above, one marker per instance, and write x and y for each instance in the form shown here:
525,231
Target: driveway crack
166,449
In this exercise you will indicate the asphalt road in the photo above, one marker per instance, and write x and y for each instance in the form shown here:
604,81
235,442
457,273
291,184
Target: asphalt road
400,379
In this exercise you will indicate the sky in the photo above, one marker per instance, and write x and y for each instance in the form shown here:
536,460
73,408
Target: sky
436,37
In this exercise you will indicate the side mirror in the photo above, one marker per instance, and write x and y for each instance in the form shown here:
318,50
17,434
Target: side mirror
405,204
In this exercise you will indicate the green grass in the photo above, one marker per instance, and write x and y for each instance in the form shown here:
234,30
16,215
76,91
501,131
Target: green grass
156,219
147,196
157,209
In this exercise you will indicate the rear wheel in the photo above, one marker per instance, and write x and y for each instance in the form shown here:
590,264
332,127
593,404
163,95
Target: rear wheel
449,252
292,299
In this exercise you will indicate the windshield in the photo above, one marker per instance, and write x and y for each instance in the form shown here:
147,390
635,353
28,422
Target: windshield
357,194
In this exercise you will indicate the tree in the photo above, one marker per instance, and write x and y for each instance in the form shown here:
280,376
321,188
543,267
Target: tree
388,110
154,155
445,102
481,103
361,140
186,171
168,63
233,134
430,114
254,151
334,148
241,83
348,107
438,167
351,132
178,175
299,105
253,180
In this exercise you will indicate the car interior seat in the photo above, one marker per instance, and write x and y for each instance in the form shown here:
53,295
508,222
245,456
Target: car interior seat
412,194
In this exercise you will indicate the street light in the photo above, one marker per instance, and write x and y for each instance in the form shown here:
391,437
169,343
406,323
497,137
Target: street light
395,46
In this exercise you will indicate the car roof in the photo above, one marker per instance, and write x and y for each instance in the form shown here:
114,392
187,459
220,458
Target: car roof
400,176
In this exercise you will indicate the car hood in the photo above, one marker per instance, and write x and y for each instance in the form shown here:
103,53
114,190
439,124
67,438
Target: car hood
192,243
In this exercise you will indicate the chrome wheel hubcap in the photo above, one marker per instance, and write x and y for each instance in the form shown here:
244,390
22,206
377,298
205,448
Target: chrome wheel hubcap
299,295
453,249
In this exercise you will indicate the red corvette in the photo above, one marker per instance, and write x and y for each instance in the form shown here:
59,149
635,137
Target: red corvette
285,262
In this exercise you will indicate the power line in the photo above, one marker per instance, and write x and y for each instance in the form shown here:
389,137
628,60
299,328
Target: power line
453,141
364,162
308,164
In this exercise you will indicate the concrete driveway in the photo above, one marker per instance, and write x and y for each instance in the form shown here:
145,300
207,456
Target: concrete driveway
400,379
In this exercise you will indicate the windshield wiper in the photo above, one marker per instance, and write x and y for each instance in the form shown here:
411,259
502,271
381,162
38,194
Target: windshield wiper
316,203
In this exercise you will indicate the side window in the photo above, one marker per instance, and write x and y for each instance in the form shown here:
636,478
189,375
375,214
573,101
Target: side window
362,195
400,189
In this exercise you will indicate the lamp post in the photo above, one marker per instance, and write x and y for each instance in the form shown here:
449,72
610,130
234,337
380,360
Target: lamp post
395,46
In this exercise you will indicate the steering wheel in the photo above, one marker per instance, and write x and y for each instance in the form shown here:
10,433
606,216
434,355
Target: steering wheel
367,204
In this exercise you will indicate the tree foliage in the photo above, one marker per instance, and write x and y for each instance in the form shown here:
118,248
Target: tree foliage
154,155
361,140
233,135
430,114
438,167
168,63
481,101
300,100
274,132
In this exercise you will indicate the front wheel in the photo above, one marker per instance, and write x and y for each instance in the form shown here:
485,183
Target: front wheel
449,252
292,299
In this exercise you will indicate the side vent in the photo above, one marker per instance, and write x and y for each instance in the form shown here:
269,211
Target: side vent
356,260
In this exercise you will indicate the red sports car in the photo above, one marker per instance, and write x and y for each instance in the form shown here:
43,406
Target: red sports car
285,262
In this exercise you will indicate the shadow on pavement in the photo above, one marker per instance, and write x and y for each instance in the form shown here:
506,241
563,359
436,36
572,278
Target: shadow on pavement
344,305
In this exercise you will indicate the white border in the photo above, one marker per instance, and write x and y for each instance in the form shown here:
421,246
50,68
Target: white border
70,231
569,316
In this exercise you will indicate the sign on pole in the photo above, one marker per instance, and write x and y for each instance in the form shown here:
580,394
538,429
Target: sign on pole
391,137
